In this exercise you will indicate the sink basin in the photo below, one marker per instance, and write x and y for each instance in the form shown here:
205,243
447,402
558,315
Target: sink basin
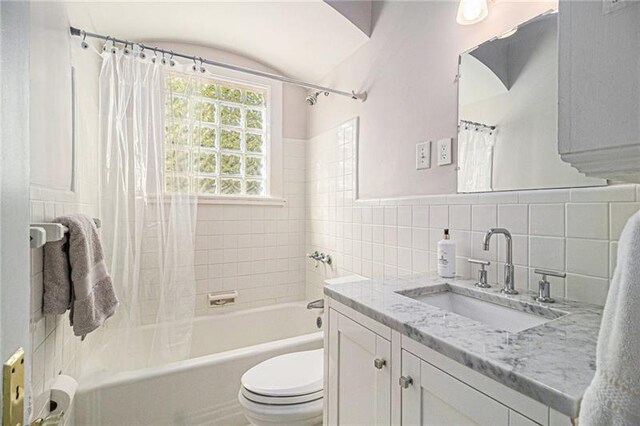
497,316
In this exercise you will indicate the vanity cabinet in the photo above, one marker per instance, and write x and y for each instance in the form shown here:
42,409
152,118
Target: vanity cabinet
599,88
377,376
435,398
360,378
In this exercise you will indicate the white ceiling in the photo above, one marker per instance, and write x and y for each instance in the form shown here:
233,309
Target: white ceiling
305,39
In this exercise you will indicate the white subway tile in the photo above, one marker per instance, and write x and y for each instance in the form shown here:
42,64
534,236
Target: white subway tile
460,217
544,196
404,216
404,237
588,220
420,216
420,238
547,219
547,253
390,216
588,257
604,193
439,217
483,217
587,289
514,217
619,214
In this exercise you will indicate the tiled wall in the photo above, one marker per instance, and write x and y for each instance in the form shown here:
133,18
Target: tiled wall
54,348
572,230
256,250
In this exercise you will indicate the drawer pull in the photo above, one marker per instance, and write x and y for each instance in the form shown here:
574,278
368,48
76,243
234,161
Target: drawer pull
379,363
405,382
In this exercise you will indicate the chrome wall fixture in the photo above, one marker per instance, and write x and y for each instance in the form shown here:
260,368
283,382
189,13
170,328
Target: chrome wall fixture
319,257
199,63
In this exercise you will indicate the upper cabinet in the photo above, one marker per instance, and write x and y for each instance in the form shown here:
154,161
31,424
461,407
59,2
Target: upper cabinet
599,88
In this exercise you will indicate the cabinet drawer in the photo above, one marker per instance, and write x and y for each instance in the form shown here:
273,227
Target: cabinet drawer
436,398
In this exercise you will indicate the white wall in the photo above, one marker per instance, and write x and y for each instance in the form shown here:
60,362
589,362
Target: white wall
408,68
14,181
55,349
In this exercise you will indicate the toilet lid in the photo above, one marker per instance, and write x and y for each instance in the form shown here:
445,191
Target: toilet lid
297,373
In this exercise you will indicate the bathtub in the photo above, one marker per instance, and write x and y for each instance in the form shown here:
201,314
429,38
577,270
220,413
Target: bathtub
203,389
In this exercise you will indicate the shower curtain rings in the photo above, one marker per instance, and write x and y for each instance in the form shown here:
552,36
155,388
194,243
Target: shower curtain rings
172,63
202,68
194,67
163,61
126,50
84,43
155,55
142,54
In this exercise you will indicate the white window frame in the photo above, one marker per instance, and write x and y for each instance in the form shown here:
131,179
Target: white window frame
274,144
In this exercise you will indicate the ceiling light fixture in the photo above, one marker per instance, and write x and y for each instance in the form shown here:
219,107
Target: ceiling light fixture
472,11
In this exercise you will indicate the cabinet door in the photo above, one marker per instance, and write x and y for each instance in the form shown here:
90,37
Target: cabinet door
359,392
436,398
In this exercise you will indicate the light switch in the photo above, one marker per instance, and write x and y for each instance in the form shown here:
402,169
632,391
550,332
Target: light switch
444,151
423,155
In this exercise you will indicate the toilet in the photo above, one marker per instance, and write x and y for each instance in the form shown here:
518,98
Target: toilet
286,389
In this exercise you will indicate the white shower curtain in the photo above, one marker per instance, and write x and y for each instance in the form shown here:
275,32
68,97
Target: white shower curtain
475,158
149,233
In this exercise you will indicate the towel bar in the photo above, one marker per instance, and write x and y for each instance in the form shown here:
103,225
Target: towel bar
42,233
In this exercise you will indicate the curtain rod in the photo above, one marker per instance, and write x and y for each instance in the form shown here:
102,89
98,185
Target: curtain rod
473,123
353,95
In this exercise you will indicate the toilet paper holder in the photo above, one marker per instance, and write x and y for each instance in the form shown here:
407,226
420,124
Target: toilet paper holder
51,420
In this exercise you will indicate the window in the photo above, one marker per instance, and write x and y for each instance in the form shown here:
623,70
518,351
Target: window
216,136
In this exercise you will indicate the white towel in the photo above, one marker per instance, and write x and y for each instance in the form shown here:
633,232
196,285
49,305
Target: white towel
613,397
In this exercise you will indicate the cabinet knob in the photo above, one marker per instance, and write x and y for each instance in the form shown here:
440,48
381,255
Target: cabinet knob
405,382
379,363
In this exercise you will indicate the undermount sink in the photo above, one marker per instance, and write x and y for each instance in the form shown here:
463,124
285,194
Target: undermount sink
495,313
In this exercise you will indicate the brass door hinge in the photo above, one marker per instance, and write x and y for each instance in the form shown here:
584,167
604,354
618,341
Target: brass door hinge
13,390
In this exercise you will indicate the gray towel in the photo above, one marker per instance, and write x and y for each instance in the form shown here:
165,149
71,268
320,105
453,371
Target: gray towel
76,277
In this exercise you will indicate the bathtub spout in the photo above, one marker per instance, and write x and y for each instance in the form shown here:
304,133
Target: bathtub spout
316,304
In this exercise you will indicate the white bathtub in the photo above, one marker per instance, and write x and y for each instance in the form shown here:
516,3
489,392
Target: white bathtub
201,390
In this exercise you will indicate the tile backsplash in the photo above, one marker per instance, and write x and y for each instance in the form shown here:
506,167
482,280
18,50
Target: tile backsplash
571,230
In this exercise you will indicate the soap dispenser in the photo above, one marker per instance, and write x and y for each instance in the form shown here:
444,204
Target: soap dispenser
446,256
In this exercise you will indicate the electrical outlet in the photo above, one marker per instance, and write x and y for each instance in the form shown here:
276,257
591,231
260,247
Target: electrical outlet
444,151
423,155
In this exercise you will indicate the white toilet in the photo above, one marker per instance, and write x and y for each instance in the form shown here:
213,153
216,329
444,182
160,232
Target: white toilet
284,390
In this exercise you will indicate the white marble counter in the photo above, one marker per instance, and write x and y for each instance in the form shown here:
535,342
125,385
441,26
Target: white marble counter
552,363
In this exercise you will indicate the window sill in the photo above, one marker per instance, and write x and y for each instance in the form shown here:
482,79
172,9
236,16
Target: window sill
242,201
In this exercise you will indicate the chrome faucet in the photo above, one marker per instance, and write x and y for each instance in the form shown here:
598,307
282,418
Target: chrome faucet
509,286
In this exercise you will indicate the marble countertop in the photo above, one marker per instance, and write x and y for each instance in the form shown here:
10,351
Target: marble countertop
552,363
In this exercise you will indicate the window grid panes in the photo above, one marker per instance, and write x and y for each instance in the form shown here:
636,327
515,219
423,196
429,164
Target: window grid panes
215,137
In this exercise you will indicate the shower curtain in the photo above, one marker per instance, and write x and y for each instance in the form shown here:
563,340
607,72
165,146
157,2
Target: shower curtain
475,158
148,214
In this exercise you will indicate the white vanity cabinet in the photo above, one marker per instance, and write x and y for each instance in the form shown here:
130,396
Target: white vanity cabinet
377,376
432,397
359,390
599,88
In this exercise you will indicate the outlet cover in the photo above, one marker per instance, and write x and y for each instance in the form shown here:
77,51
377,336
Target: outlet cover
423,155
444,151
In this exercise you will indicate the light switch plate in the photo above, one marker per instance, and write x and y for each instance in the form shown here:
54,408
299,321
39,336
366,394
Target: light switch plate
423,155
443,151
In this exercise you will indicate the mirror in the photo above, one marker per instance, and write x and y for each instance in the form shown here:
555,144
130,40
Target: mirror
508,113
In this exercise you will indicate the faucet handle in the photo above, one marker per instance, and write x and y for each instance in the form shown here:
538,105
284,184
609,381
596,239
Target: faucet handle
544,286
482,273
545,272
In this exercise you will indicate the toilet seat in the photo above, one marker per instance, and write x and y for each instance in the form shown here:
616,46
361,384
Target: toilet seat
280,400
296,374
